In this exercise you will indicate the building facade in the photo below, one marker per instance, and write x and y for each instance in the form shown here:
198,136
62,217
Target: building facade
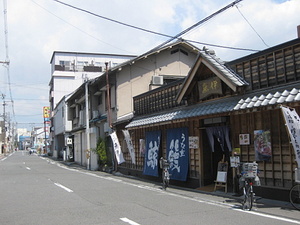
134,77
68,71
223,110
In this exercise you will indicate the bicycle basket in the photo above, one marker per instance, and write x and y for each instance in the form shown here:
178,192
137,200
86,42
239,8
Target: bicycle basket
249,170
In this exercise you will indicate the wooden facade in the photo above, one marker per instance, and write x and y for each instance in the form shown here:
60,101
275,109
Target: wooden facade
279,171
267,73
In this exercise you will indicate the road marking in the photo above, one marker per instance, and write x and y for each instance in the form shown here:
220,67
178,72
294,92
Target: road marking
200,200
270,216
126,220
7,156
28,168
63,187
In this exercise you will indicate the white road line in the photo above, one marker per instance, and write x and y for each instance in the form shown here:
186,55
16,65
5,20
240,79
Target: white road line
200,200
126,220
270,216
28,168
63,187
7,156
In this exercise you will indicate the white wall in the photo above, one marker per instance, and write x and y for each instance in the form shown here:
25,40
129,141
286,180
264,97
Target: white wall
135,79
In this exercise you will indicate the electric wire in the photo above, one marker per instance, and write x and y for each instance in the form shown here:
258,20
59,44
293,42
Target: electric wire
165,35
84,32
197,24
251,26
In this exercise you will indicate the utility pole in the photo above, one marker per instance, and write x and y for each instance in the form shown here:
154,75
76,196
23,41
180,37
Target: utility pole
4,125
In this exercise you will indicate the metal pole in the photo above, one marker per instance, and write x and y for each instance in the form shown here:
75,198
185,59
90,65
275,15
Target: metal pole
4,122
108,96
45,130
87,129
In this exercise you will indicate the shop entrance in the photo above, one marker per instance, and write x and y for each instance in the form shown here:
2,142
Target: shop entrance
211,157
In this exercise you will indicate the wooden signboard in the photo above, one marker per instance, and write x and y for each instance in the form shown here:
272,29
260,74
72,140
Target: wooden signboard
222,175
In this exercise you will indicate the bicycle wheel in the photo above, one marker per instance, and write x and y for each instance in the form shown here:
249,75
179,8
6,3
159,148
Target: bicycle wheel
295,196
165,180
248,199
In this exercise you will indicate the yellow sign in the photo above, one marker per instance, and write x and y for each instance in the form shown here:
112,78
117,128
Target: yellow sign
46,111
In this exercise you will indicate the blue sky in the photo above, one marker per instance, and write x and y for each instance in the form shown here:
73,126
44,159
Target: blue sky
36,28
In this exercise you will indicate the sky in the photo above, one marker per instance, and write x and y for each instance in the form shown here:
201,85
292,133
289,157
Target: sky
37,28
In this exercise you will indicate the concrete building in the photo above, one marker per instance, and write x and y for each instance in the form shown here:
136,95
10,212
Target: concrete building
68,71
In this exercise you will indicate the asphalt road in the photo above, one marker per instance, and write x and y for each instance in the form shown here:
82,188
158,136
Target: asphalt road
38,190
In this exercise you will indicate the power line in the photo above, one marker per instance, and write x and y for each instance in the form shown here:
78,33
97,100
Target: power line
76,26
252,27
165,35
198,23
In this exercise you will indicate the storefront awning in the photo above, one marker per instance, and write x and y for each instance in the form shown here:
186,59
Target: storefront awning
219,106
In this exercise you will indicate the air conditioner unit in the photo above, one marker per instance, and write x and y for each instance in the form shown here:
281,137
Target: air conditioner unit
157,80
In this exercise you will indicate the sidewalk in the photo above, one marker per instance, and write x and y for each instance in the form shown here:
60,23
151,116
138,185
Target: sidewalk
1,156
229,196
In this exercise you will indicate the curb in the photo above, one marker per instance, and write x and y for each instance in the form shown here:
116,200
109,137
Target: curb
230,196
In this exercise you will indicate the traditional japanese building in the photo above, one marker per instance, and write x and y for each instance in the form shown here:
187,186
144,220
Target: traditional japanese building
218,111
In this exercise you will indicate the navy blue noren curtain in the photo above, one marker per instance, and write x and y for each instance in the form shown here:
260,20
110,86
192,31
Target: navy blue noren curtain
221,133
178,153
152,152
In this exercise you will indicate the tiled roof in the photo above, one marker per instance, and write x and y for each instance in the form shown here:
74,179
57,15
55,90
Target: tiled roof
225,105
279,97
220,65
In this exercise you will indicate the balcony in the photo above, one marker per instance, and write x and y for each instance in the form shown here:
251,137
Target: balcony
92,69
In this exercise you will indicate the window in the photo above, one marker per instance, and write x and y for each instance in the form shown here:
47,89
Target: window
80,65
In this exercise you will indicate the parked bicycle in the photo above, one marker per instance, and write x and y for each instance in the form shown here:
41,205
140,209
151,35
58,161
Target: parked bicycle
164,164
248,179
295,191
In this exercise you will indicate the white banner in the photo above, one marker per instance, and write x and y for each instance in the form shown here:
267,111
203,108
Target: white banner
293,124
129,145
117,148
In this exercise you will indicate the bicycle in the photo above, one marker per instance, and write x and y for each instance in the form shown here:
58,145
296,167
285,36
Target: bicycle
164,164
166,178
249,178
248,194
295,191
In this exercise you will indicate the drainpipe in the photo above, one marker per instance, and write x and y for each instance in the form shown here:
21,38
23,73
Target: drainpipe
87,127
108,97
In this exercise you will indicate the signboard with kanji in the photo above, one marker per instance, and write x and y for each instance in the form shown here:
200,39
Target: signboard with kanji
46,112
209,86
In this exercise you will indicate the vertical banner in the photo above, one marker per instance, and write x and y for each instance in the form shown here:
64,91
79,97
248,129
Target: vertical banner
177,152
129,145
117,148
262,145
292,121
152,149
46,111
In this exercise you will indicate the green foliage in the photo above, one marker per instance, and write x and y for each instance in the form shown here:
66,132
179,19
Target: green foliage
101,151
